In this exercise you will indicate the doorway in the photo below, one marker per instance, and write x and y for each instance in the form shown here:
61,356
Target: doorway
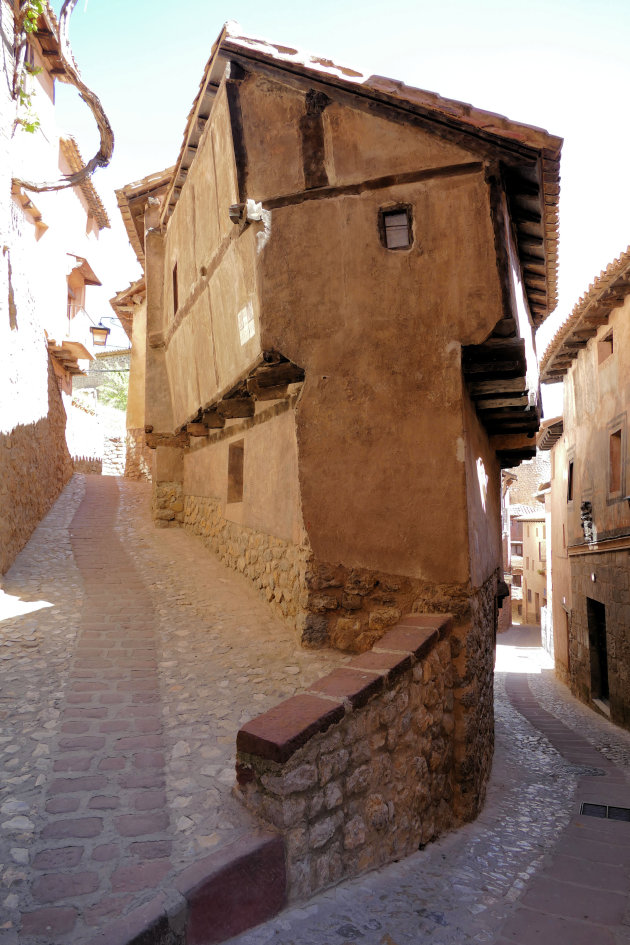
596,616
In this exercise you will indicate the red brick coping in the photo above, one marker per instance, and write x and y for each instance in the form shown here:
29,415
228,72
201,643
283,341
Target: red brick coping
276,735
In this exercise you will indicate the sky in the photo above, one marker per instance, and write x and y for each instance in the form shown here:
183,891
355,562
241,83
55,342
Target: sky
563,65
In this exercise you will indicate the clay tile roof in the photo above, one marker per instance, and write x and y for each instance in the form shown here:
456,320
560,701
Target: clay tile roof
70,151
132,200
125,301
605,293
520,510
530,155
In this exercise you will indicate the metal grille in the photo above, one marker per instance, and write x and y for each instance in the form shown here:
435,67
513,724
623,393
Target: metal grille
605,811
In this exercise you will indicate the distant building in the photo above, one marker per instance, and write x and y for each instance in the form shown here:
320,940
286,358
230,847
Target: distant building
589,499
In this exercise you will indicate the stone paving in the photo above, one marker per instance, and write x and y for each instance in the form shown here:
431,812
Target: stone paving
129,657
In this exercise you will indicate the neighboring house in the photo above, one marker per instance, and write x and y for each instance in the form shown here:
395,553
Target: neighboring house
135,200
521,495
48,244
589,501
534,573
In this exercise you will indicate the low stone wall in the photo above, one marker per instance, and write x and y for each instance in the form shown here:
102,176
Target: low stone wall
275,566
138,460
35,465
88,464
360,770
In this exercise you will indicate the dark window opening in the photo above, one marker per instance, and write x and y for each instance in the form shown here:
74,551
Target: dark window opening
529,597
517,580
175,292
570,483
395,227
605,348
517,549
236,456
615,461
596,618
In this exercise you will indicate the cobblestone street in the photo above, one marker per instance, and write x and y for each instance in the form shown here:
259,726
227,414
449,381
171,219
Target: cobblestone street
129,658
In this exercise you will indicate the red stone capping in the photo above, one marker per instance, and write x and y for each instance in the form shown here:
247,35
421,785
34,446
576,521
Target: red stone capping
277,734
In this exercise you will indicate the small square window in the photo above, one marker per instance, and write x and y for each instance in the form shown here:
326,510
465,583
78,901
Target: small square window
395,227
236,456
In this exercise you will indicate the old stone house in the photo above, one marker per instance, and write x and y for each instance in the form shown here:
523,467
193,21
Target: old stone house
48,244
343,276
590,508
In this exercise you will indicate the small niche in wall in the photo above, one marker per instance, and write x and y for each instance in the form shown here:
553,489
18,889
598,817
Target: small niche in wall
615,465
605,348
236,456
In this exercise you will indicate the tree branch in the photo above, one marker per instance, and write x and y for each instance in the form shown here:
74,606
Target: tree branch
104,154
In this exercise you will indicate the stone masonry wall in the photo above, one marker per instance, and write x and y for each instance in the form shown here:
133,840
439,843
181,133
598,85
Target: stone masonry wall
276,567
359,771
167,504
611,588
473,651
35,465
138,461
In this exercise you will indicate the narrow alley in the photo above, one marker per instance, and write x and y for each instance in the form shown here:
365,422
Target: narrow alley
130,657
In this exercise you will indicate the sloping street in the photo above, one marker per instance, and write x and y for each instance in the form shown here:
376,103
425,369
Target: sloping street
129,658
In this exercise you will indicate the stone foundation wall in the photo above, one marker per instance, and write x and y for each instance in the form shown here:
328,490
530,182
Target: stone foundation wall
612,589
276,567
473,650
359,771
167,504
138,460
35,465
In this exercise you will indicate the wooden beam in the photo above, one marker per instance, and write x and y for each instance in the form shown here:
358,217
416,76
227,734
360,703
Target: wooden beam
212,420
497,403
508,442
497,386
236,408
196,429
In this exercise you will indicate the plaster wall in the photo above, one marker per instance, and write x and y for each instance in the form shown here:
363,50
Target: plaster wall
205,352
560,595
137,369
534,545
380,423
596,402
270,475
483,493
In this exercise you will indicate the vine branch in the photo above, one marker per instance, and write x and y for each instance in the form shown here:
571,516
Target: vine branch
104,154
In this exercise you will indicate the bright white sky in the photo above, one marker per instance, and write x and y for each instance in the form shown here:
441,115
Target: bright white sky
563,65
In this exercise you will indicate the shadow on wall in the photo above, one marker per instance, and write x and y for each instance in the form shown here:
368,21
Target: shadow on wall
35,465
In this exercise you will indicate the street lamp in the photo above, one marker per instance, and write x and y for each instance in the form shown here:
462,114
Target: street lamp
100,334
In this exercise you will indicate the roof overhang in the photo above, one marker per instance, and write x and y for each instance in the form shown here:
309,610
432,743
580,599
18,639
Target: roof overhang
606,292
132,201
70,151
126,301
84,269
550,433
529,156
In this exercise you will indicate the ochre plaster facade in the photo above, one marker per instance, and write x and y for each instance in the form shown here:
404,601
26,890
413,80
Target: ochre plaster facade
328,412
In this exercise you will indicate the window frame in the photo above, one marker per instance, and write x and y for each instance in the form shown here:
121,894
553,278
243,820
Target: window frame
383,213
